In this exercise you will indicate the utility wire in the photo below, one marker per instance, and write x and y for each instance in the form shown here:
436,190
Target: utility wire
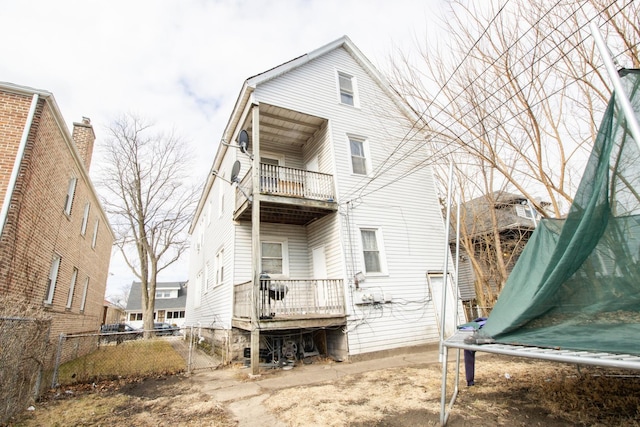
404,141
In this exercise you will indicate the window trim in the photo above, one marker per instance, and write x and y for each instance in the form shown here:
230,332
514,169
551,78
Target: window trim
365,150
85,292
219,268
85,218
382,256
354,89
71,191
54,271
94,239
72,287
284,242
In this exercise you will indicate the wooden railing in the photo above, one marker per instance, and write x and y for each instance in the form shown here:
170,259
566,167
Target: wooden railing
291,298
282,181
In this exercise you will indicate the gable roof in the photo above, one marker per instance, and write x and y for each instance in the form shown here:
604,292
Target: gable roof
241,110
134,302
68,138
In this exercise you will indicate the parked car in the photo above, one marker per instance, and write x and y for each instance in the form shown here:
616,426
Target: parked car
165,329
119,332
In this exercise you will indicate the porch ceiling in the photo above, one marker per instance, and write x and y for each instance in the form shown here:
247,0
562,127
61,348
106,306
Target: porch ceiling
284,126
287,210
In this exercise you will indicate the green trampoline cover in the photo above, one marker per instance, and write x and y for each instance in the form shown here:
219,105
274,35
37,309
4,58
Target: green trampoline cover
577,283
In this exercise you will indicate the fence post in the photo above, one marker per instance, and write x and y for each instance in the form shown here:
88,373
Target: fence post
54,380
190,349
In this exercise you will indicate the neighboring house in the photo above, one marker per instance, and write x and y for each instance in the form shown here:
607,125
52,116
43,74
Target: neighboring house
112,313
333,202
56,240
516,220
171,298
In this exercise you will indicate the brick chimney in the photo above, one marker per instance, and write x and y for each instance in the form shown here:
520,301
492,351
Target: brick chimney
84,137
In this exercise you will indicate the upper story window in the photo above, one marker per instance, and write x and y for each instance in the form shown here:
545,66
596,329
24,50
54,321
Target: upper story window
358,156
372,250
71,189
525,211
347,89
51,280
95,234
220,267
85,218
275,257
163,294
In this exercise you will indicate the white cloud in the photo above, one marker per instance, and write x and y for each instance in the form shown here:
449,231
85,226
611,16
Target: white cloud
182,63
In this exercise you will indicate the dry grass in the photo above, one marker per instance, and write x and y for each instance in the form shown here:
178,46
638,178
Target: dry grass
129,359
508,392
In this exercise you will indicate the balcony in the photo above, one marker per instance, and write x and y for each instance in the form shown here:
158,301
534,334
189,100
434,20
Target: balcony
288,304
289,196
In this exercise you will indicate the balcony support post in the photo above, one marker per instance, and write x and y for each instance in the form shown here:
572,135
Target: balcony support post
255,242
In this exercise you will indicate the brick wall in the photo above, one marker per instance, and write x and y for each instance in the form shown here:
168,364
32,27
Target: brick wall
37,226
84,137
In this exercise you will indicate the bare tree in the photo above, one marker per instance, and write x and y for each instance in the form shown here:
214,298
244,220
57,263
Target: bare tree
514,98
147,196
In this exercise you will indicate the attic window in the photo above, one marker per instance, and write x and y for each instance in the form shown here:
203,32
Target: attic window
524,211
347,88
163,294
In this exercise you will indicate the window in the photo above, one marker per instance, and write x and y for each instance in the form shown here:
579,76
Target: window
198,290
207,278
72,287
84,294
95,234
175,314
346,84
358,156
525,211
163,294
372,250
274,259
51,280
71,189
209,212
135,316
221,204
220,267
85,218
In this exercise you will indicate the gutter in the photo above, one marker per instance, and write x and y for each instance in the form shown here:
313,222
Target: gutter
4,212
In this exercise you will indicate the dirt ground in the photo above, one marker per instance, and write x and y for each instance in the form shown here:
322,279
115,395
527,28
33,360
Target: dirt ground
508,392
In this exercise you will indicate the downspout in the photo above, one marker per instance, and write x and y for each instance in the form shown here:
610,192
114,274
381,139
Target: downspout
16,164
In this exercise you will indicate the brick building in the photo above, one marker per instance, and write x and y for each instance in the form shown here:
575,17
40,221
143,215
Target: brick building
55,239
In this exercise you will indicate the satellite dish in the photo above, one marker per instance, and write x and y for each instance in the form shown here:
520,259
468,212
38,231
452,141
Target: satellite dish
235,170
243,141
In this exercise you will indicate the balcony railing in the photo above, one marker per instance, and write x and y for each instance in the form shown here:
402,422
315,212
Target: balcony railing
279,299
283,181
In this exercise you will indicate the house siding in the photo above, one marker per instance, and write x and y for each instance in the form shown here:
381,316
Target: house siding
398,198
407,212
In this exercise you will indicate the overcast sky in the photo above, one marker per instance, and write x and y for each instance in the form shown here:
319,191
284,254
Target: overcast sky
181,63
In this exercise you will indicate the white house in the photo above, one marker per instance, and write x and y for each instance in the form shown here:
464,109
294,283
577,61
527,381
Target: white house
332,200
171,298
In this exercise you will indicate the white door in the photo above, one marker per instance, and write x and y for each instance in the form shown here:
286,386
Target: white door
311,187
319,263
320,272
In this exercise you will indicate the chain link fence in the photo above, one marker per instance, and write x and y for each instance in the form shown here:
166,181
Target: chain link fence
83,358
23,361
